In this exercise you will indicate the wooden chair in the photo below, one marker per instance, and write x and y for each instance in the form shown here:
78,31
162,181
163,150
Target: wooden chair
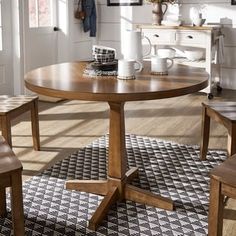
10,176
225,114
223,183
11,107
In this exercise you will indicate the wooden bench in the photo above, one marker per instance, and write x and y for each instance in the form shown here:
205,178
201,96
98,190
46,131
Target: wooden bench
13,106
225,114
11,176
223,183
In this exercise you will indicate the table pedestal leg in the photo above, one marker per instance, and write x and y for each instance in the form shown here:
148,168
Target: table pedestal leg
117,187
103,208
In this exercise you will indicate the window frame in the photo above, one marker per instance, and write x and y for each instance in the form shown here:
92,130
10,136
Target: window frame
53,17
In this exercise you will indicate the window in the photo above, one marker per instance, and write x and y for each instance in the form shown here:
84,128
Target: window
40,13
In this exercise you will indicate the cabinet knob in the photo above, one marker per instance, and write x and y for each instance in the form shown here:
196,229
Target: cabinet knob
190,36
55,28
156,35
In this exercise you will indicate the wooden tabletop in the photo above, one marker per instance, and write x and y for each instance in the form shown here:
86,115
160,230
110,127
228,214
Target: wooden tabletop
67,81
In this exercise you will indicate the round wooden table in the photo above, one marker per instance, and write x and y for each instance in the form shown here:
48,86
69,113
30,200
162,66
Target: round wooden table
67,81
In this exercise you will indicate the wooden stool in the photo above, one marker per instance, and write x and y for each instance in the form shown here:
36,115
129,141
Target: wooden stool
223,183
11,107
10,176
225,114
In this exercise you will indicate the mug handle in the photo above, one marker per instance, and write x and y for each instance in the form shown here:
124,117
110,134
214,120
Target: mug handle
171,63
140,66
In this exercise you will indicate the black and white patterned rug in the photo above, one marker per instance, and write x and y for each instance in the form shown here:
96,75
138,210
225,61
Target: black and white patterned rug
165,168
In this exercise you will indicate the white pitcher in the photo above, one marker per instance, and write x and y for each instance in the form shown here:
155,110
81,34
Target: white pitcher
132,45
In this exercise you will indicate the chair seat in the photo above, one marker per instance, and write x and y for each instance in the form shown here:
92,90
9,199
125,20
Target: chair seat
8,160
222,184
11,176
13,106
225,109
225,114
11,103
226,172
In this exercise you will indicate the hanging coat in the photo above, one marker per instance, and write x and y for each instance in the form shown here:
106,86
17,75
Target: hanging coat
90,20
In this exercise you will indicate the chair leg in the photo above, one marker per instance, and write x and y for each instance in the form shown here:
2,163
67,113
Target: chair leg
17,204
6,129
35,125
231,146
204,134
3,206
215,218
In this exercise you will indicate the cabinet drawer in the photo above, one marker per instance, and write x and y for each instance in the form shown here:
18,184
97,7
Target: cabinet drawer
190,38
159,36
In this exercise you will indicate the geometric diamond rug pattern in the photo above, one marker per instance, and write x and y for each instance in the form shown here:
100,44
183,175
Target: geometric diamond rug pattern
170,169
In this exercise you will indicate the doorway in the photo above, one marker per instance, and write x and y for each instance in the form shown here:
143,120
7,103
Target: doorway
40,33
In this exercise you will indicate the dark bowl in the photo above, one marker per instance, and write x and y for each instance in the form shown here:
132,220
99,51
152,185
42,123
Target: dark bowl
107,66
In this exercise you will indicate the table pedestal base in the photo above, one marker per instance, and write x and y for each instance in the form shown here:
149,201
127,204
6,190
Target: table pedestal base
115,190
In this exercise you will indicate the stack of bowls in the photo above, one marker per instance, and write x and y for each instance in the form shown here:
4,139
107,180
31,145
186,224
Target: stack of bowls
102,54
104,58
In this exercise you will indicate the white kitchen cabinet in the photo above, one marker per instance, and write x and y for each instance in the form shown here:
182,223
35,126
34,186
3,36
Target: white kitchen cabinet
205,37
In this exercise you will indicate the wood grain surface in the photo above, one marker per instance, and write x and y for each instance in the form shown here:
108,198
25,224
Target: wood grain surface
67,81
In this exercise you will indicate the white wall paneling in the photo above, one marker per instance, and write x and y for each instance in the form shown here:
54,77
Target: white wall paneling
230,35
81,42
230,58
2,75
78,34
42,59
82,50
228,80
109,14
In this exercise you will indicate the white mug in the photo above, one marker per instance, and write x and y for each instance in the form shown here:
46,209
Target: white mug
127,69
159,65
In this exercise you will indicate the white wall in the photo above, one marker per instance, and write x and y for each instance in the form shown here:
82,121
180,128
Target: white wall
215,11
82,43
